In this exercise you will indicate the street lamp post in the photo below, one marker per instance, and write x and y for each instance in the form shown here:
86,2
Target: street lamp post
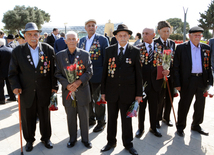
65,27
185,14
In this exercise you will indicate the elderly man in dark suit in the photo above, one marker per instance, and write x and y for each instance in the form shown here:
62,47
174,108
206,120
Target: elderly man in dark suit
95,44
53,37
165,102
192,76
74,55
150,58
5,56
60,44
121,85
31,74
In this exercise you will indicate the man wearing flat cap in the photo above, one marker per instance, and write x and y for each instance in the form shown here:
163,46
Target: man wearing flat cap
31,74
95,44
164,106
192,76
121,85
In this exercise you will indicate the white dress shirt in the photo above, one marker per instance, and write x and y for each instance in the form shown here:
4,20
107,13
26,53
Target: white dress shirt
89,42
35,55
163,41
196,58
124,49
148,48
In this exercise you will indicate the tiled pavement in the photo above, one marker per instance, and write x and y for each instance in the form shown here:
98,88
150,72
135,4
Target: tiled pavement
170,144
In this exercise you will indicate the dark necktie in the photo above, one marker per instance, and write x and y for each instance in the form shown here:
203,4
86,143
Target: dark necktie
150,53
121,54
164,45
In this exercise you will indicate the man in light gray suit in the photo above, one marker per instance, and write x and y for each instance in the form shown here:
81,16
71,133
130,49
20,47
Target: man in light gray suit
81,88
211,43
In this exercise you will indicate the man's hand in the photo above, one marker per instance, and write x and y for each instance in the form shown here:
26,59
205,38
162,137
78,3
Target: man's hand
17,91
53,90
138,98
178,88
73,87
103,96
165,72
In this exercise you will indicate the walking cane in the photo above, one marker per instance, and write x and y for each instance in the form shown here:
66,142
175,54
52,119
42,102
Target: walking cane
20,124
170,96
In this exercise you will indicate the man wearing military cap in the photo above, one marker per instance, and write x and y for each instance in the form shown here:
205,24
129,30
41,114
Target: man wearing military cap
31,74
95,44
192,76
121,85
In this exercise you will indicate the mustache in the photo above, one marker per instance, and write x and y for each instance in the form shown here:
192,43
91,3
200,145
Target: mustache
33,41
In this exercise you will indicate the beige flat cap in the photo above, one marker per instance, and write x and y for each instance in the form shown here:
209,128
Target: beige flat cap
90,20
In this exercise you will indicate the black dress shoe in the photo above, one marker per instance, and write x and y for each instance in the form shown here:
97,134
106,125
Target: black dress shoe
169,123
180,133
29,146
200,130
87,144
139,133
71,144
107,147
2,102
132,151
158,125
48,144
99,127
92,123
156,132
11,99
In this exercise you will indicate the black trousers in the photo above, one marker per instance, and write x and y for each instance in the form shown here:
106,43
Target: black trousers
29,116
96,112
127,135
164,106
195,87
9,90
152,99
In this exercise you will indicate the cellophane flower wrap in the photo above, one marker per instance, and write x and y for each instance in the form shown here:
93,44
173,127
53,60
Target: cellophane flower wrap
166,62
71,74
132,111
53,102
100,101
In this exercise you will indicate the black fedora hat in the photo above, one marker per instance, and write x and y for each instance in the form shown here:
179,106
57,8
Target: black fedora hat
31,27
10,36
122,27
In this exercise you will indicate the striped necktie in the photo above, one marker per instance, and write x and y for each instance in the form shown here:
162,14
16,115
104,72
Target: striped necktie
150,53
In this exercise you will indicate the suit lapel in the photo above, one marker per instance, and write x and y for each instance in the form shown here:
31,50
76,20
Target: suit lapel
202,57
29,56
188,49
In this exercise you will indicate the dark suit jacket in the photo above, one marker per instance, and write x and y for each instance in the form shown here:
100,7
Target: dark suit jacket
171,44
183,66
113,41
126,82
97,64
5,56
24,75
149,73
59,45
83,94
51,40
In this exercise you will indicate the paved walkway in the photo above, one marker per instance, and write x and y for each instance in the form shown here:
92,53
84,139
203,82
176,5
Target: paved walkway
170,144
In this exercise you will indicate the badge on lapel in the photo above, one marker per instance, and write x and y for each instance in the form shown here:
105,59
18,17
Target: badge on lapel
128,61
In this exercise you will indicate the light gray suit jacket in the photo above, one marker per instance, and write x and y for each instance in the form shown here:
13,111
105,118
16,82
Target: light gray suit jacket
211,43
83,93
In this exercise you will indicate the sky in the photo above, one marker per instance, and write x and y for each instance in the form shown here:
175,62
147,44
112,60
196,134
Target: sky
136,14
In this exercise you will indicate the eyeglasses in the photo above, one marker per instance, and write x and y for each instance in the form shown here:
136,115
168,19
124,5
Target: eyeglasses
196,35
36,35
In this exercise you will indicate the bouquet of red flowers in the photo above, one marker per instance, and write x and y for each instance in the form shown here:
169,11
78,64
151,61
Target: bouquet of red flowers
53,102
100,101
175,92
209,92
132,111
71,74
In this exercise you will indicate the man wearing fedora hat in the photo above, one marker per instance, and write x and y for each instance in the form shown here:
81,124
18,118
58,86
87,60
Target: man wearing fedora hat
121,85
31,74
95,44
192,76
9,40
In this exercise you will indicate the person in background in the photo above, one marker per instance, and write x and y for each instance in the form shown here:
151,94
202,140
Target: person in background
138,39
53,37
60,43
45,37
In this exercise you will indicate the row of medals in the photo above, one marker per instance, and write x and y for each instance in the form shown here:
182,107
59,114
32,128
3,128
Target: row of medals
111,67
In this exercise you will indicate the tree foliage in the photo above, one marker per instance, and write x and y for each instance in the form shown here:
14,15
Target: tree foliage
207,18
17,18
178,25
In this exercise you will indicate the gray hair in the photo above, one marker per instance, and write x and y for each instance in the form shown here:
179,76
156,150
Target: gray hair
71,32
2,41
